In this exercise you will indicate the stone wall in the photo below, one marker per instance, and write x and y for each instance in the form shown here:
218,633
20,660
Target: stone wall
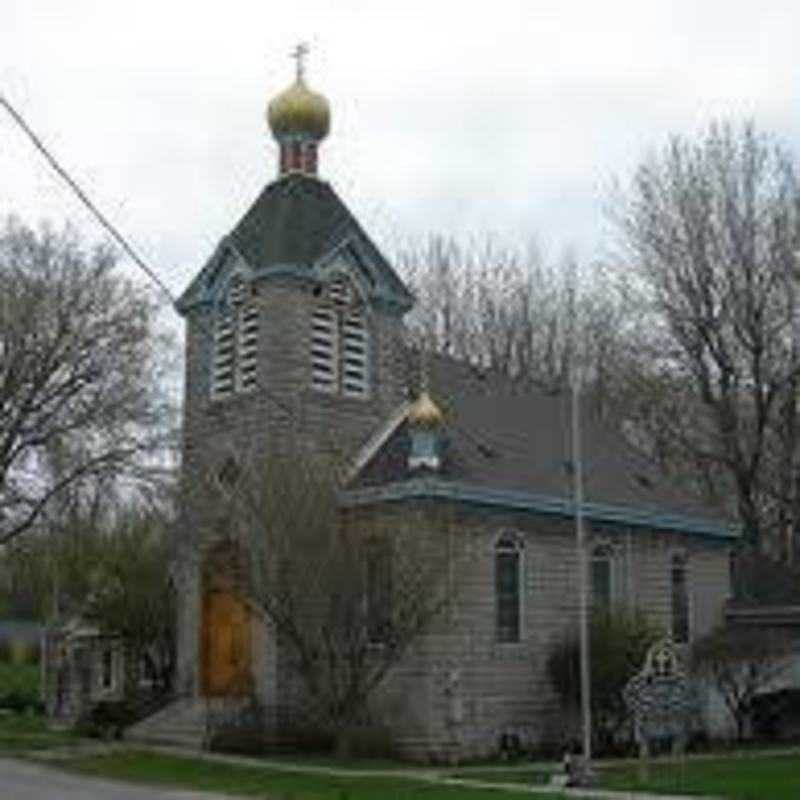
281,415
459,690
284,410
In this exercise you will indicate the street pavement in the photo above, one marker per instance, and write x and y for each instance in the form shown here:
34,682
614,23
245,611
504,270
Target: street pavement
20,780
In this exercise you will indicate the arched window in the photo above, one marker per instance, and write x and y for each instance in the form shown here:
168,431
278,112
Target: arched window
340,342
235,360
378,591
680,598
508,589
602,577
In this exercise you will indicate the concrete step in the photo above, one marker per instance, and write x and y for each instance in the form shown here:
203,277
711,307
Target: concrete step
165,733
182,724
165,739
177,730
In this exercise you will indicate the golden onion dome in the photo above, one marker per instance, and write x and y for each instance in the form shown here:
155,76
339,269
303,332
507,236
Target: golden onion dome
424,413
298,111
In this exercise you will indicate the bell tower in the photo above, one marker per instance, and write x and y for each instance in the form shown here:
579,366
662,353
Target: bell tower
295,323
294,337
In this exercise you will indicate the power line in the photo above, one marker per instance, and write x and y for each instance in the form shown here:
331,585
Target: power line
111,229
84,198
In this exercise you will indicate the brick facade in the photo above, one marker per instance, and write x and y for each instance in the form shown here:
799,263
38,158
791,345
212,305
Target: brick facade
460,690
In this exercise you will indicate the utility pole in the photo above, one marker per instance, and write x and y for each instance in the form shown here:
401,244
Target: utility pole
583,587
576,378
791,415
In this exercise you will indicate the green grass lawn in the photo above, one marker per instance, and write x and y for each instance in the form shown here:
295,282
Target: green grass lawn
522,774
21,732
355,764
734,777
163,770
738,778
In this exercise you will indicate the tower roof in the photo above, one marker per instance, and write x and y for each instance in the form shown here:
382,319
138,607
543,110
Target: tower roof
295,223
295,220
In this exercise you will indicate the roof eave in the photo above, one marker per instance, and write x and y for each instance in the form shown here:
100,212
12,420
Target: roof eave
195,297
436,488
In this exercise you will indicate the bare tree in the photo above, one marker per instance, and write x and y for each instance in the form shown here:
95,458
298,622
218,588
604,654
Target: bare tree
742,662
505,309
81,372
346,591
55,566
711,228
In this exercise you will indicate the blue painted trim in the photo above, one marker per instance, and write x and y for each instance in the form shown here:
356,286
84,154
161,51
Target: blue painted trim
516,500
197,296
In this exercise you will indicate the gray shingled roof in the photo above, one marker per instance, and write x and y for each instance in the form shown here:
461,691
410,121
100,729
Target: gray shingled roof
523,444
296,221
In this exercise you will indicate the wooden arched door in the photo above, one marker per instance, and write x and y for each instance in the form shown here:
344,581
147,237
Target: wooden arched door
226,649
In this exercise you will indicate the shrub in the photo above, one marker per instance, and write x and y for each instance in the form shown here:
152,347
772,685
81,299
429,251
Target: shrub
19,687
618,644
367,741
106,720
742,662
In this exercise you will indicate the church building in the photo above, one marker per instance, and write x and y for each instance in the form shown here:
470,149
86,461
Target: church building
295,336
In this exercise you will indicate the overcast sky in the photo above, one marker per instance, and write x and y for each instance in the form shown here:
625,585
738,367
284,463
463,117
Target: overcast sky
461,118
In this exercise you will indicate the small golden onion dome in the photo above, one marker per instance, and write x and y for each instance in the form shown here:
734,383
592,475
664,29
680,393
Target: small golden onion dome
298,111
424,413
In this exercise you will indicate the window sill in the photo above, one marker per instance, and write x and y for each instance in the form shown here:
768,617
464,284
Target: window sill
510,651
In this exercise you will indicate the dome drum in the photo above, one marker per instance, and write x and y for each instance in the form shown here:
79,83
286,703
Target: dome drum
298,155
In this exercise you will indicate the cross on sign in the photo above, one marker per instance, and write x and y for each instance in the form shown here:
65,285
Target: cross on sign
663,662
298,54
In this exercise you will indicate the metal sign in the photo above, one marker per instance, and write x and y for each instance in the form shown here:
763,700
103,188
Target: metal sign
660,696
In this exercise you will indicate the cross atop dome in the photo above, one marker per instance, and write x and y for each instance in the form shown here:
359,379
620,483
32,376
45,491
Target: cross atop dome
298,54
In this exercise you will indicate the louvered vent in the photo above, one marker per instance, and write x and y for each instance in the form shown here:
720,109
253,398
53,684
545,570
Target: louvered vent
237,292
340,293
324,349
235,361
247,361
354,356
339,343
222,383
